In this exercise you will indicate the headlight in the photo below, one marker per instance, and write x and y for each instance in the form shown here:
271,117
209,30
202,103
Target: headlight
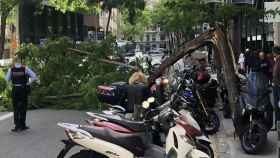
249,107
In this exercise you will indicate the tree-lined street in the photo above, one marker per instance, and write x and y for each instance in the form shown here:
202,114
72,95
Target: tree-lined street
157,71
43,139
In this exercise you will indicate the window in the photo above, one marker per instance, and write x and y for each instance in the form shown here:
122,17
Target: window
154,28
147,37
147,47
154,37
162,37
163,45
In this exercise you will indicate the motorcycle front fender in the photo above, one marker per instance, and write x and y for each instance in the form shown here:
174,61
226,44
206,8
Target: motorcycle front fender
68,146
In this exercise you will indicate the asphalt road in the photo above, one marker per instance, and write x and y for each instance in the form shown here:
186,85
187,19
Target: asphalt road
43,138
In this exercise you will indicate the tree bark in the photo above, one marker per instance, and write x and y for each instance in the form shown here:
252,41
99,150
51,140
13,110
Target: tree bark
108,21
3,34
223,49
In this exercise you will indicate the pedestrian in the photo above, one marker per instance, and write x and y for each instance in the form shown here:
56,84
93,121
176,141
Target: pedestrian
21,78
270,59
202,76
241,62
246,59
137,78
252,61
137,92
276,83
263,64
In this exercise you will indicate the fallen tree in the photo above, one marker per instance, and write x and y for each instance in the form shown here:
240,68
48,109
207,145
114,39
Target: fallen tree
85,53
224,54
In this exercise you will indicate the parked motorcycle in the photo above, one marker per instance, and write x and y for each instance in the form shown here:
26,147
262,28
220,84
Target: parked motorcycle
253,118
207,118
128,139
161,127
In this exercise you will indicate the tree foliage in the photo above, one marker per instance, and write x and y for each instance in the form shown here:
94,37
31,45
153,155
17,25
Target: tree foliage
6,7
90,6
185,15
63,72
142,21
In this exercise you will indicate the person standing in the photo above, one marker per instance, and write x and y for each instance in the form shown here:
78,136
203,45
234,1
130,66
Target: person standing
21,78
263,64
241,62
271,61
276,84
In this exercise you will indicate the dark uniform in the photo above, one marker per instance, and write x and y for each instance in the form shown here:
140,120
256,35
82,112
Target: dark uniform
19,76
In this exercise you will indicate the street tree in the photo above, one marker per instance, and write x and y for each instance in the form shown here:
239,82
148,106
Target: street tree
6,7
182,19
137,28
90,6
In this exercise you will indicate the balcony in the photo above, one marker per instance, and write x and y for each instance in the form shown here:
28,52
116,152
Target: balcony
243,1
214,1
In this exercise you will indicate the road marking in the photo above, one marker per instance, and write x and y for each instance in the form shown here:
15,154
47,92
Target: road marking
6,116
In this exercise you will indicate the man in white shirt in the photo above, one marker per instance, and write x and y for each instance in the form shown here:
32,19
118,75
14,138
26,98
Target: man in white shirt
241,62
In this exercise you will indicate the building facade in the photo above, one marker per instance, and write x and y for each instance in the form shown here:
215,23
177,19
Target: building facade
152,39
96,24
36,25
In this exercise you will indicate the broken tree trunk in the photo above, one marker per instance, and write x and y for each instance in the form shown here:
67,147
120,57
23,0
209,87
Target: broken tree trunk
184,50
68,96
222,47
104,60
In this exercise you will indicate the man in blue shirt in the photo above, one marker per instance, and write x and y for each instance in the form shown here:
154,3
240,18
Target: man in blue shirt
21,77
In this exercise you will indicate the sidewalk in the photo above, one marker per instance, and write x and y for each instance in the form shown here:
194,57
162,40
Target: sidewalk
226,146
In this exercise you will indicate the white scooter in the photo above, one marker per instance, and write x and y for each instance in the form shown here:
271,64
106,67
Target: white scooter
130,139
162,126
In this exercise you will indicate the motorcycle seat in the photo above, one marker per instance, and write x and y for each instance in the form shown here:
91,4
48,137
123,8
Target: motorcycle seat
137,126
134,142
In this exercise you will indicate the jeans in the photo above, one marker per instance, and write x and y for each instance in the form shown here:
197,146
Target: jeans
276,97
252,79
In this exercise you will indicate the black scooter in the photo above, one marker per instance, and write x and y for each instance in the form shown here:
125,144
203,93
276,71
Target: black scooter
253,119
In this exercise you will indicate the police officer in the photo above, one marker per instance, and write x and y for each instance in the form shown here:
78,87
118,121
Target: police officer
21,77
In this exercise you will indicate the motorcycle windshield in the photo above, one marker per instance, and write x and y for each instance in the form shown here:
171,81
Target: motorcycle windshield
257,90
251,96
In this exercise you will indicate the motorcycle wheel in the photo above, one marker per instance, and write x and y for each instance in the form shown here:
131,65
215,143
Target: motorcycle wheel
252,144
87,154
206,148
213,123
